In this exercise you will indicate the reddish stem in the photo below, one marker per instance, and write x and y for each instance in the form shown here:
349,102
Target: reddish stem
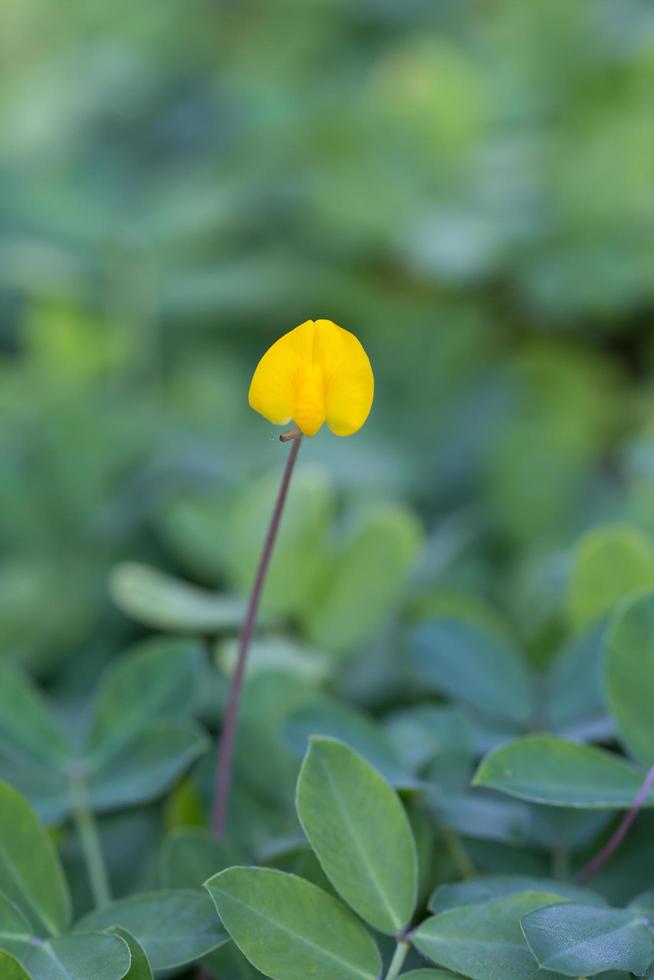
226,746
621,832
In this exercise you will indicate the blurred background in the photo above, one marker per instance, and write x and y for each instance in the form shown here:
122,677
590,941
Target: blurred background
468,185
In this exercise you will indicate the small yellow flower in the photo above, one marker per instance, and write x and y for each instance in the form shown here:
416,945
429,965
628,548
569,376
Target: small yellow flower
316,373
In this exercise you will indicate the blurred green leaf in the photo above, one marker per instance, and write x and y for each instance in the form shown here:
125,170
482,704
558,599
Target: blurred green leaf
11,968
165,603
290,929
173,927
153,682
577,939
629,677
140,968
487,887
366,581
189,857
475,668
550,770
357,826
610,564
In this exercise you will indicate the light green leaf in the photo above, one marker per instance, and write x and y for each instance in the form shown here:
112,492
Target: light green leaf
367,580
30,872
474,667
545,769
357,826
578,939
140,968
298,562
190,856
610,564
496,886
630,677
10,968
290,929
484,941
173,927
166,603
153,682
145,768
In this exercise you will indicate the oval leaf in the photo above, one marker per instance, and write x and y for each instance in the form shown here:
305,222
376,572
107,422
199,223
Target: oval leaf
140,968
10,968
357,826
496,886
484,941
545,769
290,929
630,677
166,603
30,872
581,940
173,927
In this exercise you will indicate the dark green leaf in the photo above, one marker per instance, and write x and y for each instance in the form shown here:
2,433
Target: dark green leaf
484,941
140,968
173,927
496,886
578,939
191,856
474,667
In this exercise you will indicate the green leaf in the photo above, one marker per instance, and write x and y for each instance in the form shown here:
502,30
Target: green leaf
26,723
173,927
545,769
574,689
10,968
75,957
610,564
190,856
366,582
153,682
140,968
336,720
497,886
578,939
165,603
148,766
630,677
357,826
484,941
438,735
290,929
643,904
474,667
429,975
30,872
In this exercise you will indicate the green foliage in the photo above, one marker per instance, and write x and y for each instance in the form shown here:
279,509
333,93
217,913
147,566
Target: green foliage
576,939
359,831
630,677
290,929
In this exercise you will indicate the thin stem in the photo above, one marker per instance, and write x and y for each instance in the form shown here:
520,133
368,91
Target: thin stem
89,839
402,948
226,747
623,829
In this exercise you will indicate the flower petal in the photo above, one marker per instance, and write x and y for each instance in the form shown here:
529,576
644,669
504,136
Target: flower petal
349,384
278,373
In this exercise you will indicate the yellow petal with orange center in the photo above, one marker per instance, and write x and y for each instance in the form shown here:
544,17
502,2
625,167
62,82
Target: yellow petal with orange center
315,373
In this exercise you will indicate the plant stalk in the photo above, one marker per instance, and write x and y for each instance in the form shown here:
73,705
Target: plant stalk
89,839
621,832
226,745
401,950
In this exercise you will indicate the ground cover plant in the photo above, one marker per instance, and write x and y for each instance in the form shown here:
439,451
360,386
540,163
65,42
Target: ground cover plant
426,748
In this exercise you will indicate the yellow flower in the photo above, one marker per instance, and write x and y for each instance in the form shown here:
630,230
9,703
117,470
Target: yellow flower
316,373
